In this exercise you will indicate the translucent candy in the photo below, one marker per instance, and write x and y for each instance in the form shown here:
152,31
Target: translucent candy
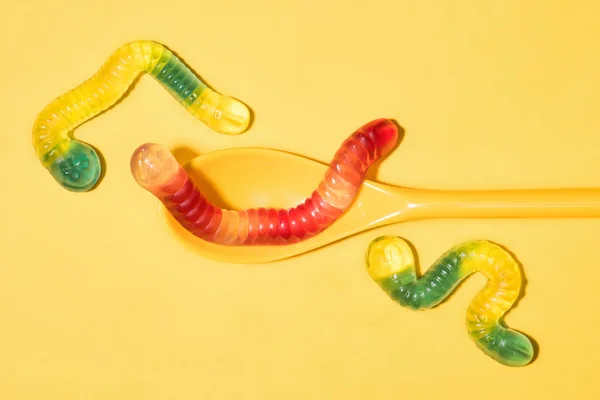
74,164
156,170
390,263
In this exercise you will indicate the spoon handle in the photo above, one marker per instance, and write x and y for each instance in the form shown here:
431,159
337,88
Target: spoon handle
525,203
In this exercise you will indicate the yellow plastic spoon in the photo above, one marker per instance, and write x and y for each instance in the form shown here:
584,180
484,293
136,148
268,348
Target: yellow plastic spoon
274,178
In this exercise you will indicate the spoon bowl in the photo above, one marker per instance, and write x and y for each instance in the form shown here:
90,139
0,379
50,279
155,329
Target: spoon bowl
275,179
241,178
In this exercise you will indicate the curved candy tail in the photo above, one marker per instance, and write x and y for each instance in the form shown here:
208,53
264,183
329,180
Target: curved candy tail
487,310
74,164
390,262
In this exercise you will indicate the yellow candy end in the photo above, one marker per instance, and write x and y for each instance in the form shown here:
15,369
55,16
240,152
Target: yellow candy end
387,256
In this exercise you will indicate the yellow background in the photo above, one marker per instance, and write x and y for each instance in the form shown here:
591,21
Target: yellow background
97,301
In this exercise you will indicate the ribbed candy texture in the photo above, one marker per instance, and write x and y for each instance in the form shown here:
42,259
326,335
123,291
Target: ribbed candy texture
155,169
391,264
74,164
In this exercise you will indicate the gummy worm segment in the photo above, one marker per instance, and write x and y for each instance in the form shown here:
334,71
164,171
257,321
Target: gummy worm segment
390,263
156,170
74,164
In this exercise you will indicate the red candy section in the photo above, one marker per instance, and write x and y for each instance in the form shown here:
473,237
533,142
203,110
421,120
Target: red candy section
272,226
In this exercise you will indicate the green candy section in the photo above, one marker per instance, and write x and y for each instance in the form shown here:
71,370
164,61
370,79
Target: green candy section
177,78
435,285
79,169
507,346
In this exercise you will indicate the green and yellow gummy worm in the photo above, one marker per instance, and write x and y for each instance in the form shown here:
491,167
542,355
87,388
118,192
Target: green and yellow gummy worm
390,263
74,164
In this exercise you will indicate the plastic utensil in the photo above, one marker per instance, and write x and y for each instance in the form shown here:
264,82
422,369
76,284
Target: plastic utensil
282,179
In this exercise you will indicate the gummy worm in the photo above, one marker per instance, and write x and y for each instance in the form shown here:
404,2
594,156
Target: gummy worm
157,171
390,263
74,164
